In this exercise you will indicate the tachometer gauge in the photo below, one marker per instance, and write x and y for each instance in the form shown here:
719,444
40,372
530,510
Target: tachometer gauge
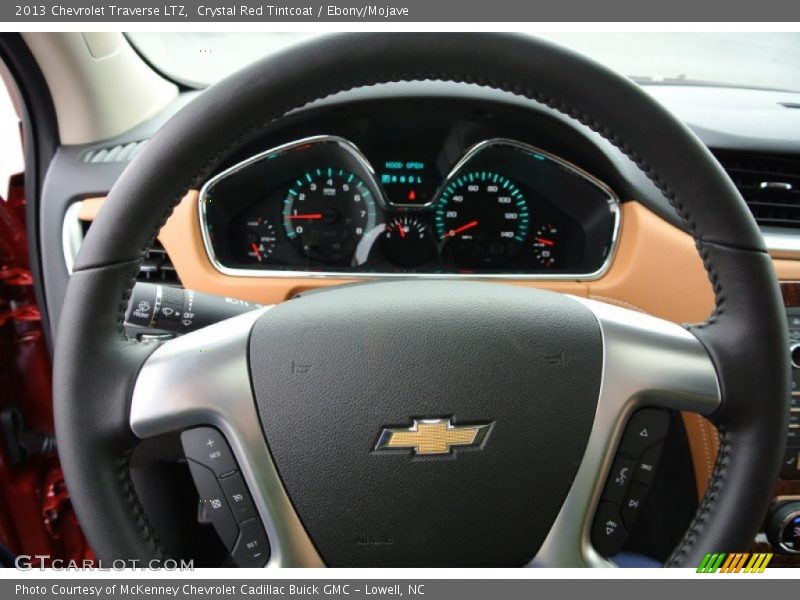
326,212
407,241
260,239
545,244
482,218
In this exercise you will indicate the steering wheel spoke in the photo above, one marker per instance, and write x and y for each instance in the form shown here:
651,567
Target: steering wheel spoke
647,362
653,362
203,379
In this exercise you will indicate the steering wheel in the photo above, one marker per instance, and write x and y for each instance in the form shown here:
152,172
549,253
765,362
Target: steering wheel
302,394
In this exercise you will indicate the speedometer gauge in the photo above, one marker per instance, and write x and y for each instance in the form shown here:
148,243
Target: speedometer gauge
326,212
482,218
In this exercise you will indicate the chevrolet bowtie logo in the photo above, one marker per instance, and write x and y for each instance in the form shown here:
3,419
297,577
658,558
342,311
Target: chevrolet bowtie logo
432,436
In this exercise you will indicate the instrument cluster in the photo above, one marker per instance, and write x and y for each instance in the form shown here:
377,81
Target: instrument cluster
318,206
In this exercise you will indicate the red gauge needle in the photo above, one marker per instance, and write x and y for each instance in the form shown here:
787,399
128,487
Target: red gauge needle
458,230
254,246
401,230
545,242
308,216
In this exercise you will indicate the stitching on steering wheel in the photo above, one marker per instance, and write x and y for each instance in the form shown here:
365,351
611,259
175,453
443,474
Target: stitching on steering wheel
690,537
137,509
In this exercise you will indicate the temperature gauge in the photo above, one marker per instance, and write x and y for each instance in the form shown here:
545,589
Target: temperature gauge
545,243
407,241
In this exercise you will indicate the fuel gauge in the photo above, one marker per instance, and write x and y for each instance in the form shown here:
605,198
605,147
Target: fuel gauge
407,241
260,239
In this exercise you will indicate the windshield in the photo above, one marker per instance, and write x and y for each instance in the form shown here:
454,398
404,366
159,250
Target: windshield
753,60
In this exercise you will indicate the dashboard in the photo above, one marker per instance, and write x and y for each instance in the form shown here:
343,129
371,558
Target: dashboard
423,130
497,207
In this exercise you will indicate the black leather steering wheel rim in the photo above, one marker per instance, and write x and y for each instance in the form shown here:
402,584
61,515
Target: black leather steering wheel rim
95,367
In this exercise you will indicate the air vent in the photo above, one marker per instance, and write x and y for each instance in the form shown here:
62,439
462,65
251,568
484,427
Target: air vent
769,184
156,266
114,154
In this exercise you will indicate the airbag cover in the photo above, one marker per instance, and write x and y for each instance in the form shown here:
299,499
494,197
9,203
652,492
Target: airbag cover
332,369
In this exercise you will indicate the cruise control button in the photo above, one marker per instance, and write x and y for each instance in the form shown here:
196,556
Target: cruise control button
645,428
646,467
633,504
619,479
608,532
215,504
208,447
238,497
252,549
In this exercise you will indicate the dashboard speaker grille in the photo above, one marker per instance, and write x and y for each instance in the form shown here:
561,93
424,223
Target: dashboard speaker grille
115,153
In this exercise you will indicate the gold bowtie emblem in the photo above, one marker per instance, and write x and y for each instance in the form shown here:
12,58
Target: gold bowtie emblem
432,436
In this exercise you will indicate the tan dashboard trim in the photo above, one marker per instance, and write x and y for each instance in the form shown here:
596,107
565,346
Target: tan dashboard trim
656,270
89,208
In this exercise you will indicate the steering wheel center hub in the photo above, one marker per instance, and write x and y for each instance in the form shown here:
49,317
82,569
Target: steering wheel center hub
427,423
